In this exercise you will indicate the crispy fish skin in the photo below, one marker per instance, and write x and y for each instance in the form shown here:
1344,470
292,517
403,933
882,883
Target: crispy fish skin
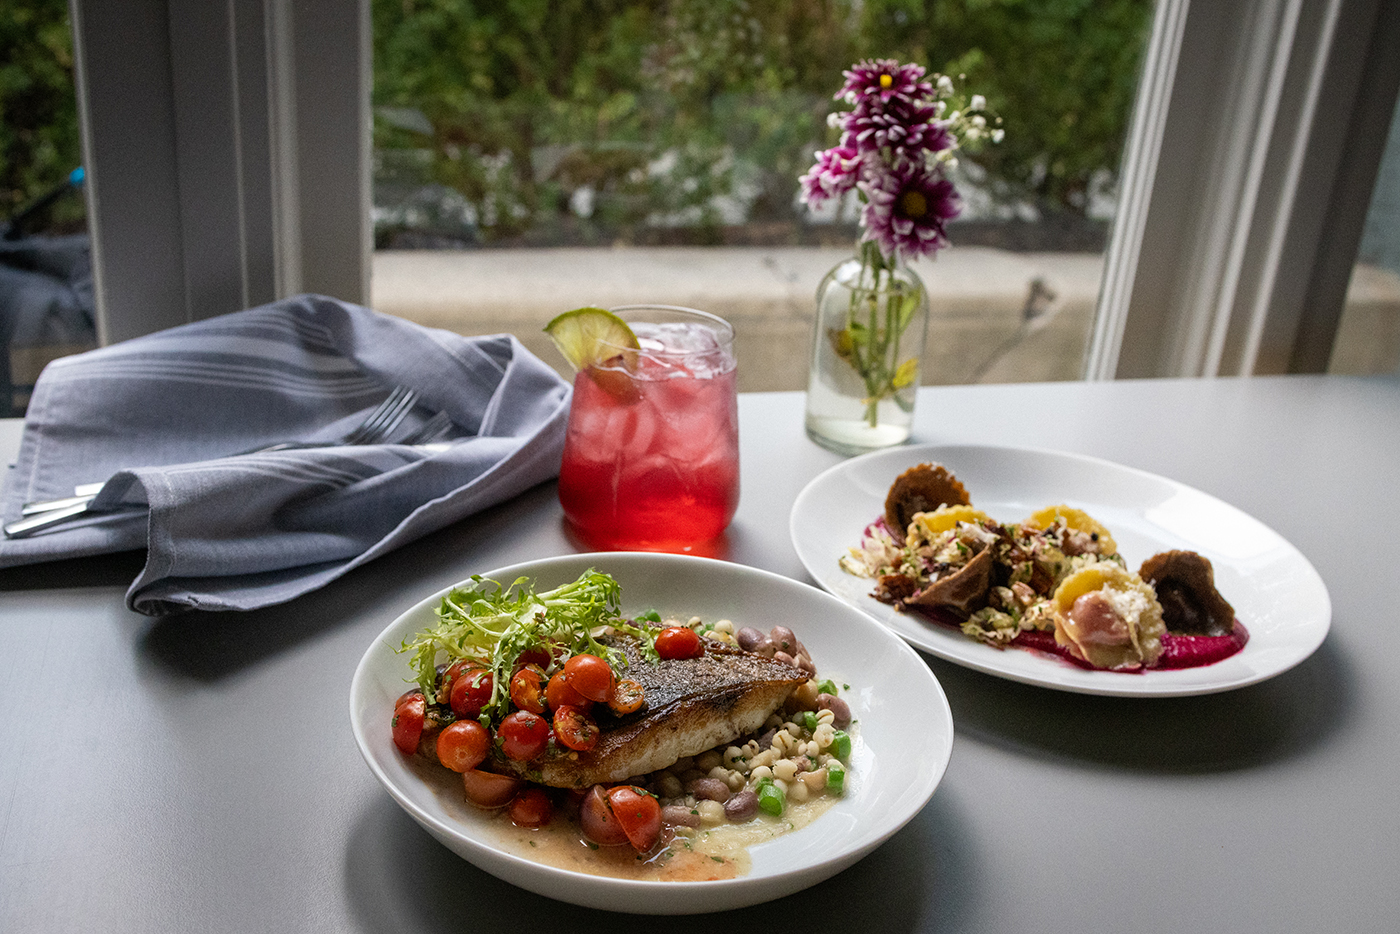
691,705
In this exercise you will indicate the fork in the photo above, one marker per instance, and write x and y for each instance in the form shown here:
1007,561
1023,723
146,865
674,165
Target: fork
377,426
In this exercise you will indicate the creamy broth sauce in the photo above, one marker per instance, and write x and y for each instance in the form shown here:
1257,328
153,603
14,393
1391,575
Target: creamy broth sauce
692,853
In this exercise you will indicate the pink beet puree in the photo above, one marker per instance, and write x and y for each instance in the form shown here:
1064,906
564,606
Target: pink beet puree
1177,651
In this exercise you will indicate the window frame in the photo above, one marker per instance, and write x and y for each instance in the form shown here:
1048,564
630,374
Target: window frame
1272,116
220,140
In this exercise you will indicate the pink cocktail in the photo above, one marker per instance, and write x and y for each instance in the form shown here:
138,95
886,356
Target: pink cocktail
651,457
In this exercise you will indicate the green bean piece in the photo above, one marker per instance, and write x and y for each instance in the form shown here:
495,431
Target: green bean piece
835,778
770,797
826,686
841,745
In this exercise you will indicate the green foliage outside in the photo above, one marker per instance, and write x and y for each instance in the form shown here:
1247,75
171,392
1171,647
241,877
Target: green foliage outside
39,143
543,121
600,120
1062,74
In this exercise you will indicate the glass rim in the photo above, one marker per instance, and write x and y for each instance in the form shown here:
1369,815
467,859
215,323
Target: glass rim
724,331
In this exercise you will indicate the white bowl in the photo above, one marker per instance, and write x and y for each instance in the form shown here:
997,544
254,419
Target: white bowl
902,737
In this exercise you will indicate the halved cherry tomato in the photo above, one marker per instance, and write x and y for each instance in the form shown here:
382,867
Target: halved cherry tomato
679,642
590,676
575,729
463,745
535,655
471,692
595,818
627,696
408,722
559,693
489,790
639,814
531,808
523,735
527,689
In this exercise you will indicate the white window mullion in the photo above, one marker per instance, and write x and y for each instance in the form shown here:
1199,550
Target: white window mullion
227,151
1264,295
1217,265
1145,134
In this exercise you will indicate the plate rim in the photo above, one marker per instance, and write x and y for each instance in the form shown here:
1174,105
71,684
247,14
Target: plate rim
1072,680
678,897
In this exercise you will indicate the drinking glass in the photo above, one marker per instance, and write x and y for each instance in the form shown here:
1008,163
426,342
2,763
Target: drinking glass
651,454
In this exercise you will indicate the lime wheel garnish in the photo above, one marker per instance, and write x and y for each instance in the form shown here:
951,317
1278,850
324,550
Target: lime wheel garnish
598,342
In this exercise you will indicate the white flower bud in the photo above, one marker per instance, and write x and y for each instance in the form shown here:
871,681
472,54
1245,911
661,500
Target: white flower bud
978,102
945,84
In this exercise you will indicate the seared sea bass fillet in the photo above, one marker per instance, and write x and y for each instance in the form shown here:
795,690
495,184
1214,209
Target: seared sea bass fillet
691,705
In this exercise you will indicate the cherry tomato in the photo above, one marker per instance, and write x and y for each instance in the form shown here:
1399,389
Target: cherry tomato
595,818
627,697
451,674
471,692
523,735
590,676
489,790
531,808
527,689
575,729
679,642
463,745
639,814
559,693
408,722
535,655
407,695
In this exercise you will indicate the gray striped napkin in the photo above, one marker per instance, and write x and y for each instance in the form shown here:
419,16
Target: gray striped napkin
159,414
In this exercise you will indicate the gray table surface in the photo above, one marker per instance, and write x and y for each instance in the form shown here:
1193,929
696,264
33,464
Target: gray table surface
198,773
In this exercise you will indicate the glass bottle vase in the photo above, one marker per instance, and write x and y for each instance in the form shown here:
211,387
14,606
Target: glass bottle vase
867,343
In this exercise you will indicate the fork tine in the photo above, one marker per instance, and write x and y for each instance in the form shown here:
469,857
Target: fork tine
430,430
389,413
372,421
393,419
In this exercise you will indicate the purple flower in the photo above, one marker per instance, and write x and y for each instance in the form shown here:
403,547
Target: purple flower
884,79
907,210
893,149
905,126
834,174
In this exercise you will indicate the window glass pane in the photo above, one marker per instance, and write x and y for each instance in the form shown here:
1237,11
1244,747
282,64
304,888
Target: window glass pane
46,304
1368,338
531,157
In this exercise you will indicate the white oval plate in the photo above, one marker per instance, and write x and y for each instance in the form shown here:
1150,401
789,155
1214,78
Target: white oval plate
894,769
1275,591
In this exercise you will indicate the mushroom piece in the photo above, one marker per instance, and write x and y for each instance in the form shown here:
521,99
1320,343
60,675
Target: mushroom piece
964,590
1185,586
922,488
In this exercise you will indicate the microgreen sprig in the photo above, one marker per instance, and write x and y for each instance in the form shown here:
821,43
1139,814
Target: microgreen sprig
495,625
